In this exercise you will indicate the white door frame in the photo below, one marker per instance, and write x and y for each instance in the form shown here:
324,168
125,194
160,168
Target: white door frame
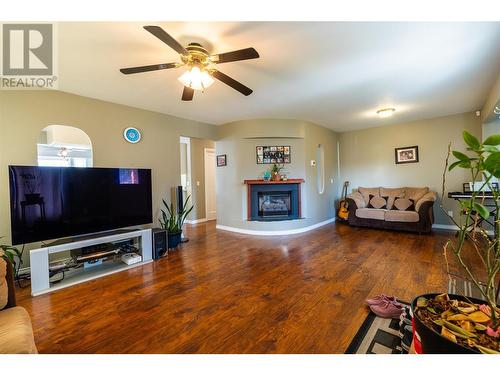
205,152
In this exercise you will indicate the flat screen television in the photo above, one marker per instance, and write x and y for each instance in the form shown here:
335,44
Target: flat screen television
54,202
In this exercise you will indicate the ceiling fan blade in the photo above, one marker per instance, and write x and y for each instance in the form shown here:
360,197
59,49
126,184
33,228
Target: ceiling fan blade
161,34
242,54
187,93
232,83
148,68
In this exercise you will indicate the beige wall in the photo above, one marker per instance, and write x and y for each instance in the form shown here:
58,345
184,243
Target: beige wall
367,156
198,176
238,141
24,114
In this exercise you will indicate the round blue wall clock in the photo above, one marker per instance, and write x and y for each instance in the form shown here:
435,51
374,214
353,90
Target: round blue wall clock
132,135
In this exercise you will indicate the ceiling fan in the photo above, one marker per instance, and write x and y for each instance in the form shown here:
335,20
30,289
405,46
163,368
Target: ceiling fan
200,65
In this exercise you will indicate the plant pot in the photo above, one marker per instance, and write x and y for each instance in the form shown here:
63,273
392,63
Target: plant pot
432,342
277,177
174,239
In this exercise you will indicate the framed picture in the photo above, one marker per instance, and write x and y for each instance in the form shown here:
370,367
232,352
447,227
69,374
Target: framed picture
406,155
273,154
221,160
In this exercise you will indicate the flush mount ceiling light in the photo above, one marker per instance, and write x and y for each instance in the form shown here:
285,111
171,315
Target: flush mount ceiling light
196,79
386,112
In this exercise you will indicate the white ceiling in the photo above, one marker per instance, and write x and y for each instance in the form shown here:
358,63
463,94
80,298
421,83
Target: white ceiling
332,73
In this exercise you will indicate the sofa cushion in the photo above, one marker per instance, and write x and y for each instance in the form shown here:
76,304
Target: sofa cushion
403,204
402,216
370,213
429,197
358,199
4,290
376,201
16,334
391,194
415,193
365,192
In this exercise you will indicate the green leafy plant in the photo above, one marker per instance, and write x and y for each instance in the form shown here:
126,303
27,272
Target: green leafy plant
483,163
10,253
173,221
276,168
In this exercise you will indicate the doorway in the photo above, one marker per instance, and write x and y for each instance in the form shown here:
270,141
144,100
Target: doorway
210,194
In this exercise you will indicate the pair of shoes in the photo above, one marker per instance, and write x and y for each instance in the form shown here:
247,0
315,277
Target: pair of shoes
385,306
379,299
388,309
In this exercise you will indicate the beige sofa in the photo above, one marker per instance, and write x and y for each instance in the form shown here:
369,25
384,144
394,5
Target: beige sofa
406,208
16,333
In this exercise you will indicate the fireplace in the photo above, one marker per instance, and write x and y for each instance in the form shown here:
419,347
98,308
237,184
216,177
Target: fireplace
275,203
273,200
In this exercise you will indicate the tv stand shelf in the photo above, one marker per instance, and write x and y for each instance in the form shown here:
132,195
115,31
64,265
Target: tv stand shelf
39,259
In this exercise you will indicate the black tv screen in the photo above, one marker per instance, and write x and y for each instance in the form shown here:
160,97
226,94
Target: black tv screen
55,202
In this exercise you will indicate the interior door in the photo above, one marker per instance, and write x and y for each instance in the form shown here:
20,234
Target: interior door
210,197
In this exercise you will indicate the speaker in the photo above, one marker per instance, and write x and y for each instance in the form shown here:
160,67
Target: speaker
177,198
160,242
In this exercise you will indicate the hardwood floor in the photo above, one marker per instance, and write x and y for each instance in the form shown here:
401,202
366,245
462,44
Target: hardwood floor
228,293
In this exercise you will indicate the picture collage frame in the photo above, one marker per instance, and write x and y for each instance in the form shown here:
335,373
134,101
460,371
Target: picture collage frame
273,154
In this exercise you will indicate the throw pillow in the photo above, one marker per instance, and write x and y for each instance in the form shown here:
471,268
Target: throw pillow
403,204
376,201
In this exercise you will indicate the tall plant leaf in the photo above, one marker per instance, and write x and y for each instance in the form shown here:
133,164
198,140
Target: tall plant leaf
471,140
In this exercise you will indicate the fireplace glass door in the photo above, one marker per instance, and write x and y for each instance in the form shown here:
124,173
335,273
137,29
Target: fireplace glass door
275,203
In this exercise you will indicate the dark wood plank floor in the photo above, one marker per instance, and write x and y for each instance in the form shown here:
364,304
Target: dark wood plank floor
229,293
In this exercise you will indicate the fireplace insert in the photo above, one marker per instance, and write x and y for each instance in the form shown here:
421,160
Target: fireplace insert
275,203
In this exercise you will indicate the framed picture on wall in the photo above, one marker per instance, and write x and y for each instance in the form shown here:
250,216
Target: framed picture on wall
406,155
221,160
273,154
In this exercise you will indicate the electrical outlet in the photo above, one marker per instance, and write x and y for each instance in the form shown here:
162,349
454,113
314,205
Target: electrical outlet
450,213
197,183
331,180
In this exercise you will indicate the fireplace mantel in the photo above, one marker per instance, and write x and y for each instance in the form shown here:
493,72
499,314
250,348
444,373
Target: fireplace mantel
256,187
264,182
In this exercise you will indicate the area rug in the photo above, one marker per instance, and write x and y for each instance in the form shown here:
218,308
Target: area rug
377,336
381,336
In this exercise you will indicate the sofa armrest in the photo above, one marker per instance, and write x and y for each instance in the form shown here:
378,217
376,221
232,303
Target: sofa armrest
426,212
11,293
431,196
358,199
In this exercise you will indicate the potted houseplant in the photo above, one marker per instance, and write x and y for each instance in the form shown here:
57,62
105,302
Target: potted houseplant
173,221
10,253
275,171
453,323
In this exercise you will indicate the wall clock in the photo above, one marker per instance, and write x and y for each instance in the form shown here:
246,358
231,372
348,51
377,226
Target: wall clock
132,135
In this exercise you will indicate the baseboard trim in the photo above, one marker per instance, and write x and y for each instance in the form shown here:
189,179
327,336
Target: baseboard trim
197,221
445,226
274,232
453,227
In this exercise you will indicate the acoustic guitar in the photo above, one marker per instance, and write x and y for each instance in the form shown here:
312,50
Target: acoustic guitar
343,206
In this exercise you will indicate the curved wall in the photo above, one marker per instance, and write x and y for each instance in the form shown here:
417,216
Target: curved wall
238,141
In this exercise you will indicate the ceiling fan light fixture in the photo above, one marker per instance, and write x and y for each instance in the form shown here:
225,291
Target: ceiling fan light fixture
196,79
386,112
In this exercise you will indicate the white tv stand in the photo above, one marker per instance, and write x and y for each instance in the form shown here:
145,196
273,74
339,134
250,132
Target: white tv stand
39,260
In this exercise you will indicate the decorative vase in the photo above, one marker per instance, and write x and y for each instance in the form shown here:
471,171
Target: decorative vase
277,177
174,239
431,341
